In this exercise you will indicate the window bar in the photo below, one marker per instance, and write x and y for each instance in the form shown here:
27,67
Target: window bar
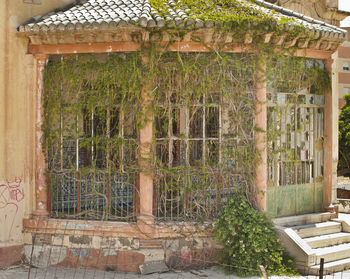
297,160
203,131
90,180
219,182
220,134
187,159
306,143
312,143
282,133
107,206
62,184
170,150
278,144
121,186
315,136
92,135
77,168
203,140
61,141
308,129
121,135
170,134
276,156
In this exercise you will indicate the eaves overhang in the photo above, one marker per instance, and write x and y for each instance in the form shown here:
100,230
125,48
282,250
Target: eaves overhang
96,21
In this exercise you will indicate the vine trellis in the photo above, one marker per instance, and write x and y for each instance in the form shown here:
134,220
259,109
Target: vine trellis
203,107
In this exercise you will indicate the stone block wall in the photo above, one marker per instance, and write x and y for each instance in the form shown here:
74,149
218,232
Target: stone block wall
118,253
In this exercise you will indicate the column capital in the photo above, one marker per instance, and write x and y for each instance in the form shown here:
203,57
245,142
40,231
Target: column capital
41,56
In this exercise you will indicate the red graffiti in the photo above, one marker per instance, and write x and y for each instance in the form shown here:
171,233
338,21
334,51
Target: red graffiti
11,194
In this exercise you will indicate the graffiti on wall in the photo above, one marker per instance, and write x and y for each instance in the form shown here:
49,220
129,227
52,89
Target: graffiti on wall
11,194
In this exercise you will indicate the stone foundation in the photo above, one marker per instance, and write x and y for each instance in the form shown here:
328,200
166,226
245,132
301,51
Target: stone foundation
10,255
118,253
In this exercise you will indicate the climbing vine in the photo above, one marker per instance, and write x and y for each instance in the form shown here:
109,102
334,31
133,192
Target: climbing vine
203,107
230,15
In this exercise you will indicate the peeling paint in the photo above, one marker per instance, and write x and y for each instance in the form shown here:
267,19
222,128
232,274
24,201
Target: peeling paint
83,239
77,226
109,252
81,253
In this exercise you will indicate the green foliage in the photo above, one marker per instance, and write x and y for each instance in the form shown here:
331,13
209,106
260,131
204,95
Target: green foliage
249,240
288,74
232,14
344,135
81,89
77,87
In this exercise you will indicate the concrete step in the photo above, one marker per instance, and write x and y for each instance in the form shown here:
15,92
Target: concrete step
332,253
331,267
304,219
317,229
328,240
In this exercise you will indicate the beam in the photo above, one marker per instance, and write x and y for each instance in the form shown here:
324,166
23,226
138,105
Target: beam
165,46
84,48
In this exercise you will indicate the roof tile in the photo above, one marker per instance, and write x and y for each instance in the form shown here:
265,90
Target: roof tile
140,12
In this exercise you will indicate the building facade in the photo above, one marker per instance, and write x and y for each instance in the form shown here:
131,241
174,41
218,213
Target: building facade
30,204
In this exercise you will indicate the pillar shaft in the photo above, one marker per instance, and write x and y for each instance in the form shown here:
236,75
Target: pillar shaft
146,134
330,143
260,137
40,183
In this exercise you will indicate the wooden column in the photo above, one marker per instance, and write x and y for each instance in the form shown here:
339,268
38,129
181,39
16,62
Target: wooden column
40,183
330,143
260,136
145,177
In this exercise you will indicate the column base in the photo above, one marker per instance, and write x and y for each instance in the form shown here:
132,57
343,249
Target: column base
146,224
146,219
40,213
333,209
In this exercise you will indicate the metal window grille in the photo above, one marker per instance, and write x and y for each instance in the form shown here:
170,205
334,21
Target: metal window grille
192,143
203,134
92,166
296,144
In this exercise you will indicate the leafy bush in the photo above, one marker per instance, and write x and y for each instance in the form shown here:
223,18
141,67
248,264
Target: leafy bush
249,240
344,138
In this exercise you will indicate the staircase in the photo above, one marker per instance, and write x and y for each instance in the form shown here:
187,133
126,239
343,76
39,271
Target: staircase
308,238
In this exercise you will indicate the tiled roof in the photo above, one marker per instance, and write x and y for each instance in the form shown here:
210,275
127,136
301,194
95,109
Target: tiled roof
118,13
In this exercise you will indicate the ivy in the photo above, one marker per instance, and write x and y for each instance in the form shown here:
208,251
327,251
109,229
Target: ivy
249,240
231,15
78,83
344,137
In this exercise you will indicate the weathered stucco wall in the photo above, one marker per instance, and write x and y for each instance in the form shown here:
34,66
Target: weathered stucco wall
16,119
325,10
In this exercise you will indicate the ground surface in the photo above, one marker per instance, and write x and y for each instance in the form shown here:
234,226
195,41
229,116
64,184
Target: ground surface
61,273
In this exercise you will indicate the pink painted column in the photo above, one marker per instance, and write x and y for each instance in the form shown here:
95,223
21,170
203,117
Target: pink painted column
260,136
40,166
330,152
145,177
